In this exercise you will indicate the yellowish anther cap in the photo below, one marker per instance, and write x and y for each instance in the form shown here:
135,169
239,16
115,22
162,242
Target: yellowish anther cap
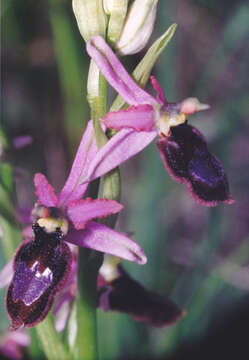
167,120
51,224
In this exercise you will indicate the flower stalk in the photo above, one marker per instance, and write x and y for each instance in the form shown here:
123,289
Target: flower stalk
84,345
50,340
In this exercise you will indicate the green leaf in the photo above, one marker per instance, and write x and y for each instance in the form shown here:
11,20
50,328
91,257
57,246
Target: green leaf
143,70
6,176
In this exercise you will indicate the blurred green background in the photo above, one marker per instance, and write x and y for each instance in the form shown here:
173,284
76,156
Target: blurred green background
198,256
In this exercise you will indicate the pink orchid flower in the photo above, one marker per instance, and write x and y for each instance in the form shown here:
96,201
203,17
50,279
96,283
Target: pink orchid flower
42,264
182,147
12,344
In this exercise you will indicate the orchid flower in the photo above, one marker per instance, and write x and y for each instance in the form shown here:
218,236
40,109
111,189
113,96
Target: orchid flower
182,147
42,264
119,292
12,344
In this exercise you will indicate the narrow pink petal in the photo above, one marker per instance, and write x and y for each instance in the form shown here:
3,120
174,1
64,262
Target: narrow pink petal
125,144
44,191
160,94
72,190
81,211
101,238
115,73
6,274
139,118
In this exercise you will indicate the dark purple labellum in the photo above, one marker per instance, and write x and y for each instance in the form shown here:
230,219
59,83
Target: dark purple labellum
186,157
126,295
41,268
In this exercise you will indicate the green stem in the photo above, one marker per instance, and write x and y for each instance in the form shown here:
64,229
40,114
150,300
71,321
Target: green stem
82,324
50,340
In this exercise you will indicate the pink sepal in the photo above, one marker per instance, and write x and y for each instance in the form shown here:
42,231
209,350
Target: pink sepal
44,191
101,238
82,211
125,144
138,118
72,190
115,73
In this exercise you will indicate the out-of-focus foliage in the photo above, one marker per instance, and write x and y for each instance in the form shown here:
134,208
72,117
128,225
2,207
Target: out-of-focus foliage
199,256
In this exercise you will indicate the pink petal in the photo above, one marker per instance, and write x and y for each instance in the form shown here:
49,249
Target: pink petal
72,190
138,118
125,144
44,191
6,274
101,238
81,211
115,73
160,94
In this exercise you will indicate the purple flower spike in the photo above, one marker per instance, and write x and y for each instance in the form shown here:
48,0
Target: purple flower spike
186,156
126,295
202,171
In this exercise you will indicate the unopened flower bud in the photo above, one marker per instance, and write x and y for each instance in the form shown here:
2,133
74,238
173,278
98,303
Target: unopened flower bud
138,27
116,10
90,16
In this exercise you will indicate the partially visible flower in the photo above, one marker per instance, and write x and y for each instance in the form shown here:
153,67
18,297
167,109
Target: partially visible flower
182,147
12,344
42,264
119,292
22,141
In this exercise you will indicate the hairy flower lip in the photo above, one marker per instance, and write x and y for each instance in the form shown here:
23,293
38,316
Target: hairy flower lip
162,144
123,294
22,307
